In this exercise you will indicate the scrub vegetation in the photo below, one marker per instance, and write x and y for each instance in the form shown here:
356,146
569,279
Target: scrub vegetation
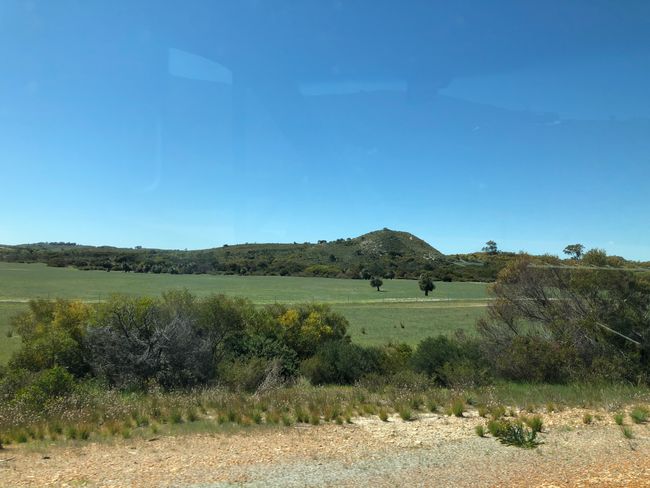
551,336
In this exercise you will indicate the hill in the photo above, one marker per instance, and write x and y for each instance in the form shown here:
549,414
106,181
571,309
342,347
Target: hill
385,252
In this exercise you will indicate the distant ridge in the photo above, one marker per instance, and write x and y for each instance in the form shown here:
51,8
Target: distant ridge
384,252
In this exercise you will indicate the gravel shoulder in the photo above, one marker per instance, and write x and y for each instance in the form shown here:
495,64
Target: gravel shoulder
434,450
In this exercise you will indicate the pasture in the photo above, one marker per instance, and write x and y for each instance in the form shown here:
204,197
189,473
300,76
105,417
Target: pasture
399,312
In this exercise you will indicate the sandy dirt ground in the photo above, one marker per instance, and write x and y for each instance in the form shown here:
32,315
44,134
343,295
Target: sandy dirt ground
433,450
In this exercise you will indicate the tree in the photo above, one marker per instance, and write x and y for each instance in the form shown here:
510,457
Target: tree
426,283
574,250
591,320
490,247
376,282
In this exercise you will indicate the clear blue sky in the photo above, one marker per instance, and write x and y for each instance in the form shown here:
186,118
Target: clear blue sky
197,123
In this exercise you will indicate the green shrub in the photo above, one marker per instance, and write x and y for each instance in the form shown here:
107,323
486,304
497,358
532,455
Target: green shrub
406,413
496,427
52,332
627,433
383,415
587,418
457,407
497,411
175,417
535,423
84,432
48,384
245,374
515,434
619,418
532,359
480,430
451,362
432,354
71,432
639,414
340,363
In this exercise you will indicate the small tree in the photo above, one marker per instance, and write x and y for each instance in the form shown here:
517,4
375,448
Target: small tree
491,247
574,250
426,283
376,282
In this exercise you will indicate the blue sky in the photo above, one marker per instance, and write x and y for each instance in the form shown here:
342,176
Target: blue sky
194,124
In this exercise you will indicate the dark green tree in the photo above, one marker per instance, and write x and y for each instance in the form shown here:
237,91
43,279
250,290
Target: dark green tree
574,250
426,283
490,247
376,282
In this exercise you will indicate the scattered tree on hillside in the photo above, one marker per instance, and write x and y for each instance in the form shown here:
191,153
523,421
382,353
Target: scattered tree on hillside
491,247
574,250
376,282
426,283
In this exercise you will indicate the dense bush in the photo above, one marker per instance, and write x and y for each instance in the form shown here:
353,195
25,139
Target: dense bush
303,328
52,333
134,340
47,384
450,361
341,363
175,341
568,323
533,358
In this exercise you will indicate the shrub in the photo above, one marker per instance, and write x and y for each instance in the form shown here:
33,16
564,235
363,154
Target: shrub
619,418
303,328
383,415
12,382
627,433
48,384
515,434
496,427
535,423
432,354
340,363
406,413
497,411
639,414
587,418
52,333
480,430
245,374
457,407
534,359
450,362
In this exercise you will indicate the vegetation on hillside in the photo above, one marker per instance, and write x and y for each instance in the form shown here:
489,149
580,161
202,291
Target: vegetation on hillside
383,254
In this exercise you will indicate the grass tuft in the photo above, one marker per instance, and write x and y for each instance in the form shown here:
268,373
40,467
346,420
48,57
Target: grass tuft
639,414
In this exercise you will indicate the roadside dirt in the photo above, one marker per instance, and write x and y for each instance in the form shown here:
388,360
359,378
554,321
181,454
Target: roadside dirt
433,450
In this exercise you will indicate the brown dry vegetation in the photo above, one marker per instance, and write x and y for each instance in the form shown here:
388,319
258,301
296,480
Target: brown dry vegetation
434,450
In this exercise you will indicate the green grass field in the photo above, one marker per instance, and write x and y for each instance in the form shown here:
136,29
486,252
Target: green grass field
450,307
24,281
374,324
